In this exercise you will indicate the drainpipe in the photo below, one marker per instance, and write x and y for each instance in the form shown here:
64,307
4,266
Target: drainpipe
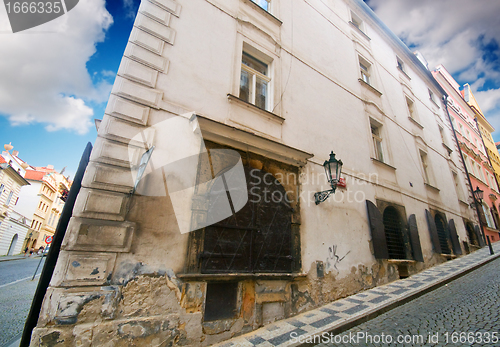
445,101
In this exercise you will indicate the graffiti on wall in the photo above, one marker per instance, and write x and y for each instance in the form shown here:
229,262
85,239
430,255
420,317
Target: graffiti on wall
333,259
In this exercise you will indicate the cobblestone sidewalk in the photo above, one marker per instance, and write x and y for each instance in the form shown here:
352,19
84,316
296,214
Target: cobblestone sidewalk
343,314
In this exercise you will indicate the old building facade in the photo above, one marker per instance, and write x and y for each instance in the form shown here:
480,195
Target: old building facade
197,221
486,130
42,203
474,153
13,227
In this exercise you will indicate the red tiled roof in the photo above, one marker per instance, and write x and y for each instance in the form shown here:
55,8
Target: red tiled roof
2,160
34,175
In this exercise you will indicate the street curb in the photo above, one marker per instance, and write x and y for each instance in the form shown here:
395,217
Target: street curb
18,258
381,310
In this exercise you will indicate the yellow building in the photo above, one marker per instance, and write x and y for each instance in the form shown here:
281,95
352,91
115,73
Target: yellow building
43,202
486,130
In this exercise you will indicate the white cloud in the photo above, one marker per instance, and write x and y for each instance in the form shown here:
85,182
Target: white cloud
453,33
43,69
130,9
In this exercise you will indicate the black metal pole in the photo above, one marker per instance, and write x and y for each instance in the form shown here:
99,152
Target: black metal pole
489,245
50,262
38,266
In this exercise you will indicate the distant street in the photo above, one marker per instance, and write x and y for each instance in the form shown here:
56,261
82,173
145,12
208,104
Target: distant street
465,312
16,294
14,270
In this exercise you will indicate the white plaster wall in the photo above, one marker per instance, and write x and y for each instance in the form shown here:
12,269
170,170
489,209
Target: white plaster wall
316,88
28,199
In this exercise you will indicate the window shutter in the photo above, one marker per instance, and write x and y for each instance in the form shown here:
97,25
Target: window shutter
433,232
454,237
415,239
482,243
377,231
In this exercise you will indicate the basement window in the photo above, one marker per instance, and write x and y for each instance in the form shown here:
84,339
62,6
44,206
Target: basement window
221,301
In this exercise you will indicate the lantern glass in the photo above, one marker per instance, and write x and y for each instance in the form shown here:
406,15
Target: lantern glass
333,169
478,194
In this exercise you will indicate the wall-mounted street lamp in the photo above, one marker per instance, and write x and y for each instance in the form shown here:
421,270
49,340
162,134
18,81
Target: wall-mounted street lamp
478,194
333,170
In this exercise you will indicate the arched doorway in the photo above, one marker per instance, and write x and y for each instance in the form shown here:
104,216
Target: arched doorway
255,239
394,233
442,234
13,245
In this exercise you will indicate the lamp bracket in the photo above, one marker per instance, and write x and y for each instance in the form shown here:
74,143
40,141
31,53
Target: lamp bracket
319,197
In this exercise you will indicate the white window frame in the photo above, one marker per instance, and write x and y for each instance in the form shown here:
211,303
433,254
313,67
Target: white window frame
9,198
432,97
458,188
365,71
357,22
267,5
254,74
488,216
400,64
410,105
481,174
377,141
426,167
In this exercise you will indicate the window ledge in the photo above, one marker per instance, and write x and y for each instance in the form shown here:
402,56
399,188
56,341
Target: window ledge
416,123
378,162
401,261
447,148
449,256
239,275
463,202
268,114
369,86
360,31
404,73
266,13
435,103
427,185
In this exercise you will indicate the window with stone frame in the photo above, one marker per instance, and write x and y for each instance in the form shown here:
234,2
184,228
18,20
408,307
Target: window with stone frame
400,64
411,108
442,232
255,80
393,237
259,238
426,170
378,148
357,22
458,188
394,233
432,96
264,4
487,215
9,198
365,70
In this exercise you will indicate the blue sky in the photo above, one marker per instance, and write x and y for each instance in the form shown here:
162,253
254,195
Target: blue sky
48,115
56,77
462,35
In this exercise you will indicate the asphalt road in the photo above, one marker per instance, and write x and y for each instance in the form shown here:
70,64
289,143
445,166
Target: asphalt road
14,270
16,293
465,312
